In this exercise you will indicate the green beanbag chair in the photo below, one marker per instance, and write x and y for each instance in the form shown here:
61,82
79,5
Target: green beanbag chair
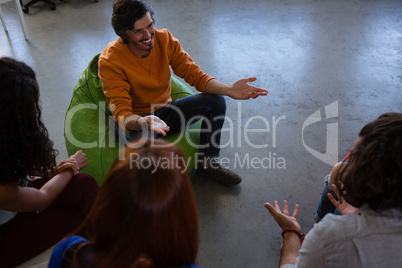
89,125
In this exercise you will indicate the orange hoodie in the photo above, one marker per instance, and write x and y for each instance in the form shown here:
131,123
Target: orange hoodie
132,85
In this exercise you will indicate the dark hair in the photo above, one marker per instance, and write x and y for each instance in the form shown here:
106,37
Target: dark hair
144,216
373,175
369,128
24,141
126,13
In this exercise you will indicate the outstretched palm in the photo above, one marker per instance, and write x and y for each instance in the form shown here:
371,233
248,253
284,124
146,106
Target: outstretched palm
156,124
243,91
283,219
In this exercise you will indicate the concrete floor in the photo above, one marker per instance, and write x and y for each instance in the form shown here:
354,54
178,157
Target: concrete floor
309,54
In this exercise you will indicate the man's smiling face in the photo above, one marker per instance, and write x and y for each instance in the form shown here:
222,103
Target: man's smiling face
141,38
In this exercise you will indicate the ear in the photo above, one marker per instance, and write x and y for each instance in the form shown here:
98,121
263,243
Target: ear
123,36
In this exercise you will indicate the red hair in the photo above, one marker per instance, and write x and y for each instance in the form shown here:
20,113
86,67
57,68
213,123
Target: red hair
144,216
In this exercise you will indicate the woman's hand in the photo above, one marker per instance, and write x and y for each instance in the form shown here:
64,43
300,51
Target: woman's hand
75,162
344,207
63,165
80,159
291,242
283,219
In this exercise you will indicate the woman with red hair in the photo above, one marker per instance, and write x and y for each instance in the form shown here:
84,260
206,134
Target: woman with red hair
144,216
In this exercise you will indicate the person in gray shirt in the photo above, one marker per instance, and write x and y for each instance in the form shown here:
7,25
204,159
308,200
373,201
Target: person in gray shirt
368,233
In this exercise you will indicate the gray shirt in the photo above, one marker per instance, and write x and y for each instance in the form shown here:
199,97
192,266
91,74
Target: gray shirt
366,239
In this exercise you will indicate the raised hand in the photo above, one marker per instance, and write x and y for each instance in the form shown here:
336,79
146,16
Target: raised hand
344,207
282,218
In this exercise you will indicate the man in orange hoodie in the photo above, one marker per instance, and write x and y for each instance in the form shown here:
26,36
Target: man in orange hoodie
135,75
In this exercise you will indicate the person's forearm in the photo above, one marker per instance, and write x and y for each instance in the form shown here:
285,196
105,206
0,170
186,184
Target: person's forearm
53,188
290,248
214,86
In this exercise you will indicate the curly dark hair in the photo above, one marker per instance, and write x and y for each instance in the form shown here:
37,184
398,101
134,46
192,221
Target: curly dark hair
25,147
373,175
126,13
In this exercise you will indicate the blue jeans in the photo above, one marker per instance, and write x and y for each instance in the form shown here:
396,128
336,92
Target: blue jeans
325,206
181,112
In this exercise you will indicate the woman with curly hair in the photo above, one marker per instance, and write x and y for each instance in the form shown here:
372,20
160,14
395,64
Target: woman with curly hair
144,216
35,213
368,233
326,204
